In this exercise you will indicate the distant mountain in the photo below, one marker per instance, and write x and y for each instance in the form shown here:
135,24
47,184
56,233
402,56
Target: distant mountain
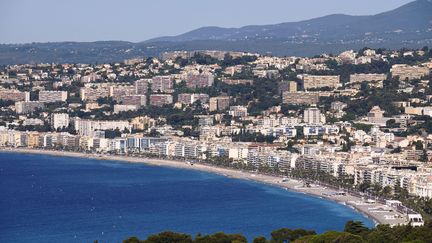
407,26
411,21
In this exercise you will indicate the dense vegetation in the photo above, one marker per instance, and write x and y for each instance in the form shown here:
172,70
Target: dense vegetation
354,232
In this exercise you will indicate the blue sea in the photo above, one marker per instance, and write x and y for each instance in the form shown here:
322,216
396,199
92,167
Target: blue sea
60,199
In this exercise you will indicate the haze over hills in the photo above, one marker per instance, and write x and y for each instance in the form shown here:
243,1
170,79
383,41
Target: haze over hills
407,22
407,26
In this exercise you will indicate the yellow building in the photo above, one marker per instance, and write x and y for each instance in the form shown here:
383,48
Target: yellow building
140,122
33,140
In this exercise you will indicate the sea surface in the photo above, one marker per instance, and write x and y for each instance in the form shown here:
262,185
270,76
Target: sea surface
61,199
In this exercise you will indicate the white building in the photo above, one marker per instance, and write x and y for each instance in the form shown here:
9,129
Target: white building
59,120
86,127
312,116
238,111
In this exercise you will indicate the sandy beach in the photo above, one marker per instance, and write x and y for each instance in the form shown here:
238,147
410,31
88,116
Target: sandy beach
380,213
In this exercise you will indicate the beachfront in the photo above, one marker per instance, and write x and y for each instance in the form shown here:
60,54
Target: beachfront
379,212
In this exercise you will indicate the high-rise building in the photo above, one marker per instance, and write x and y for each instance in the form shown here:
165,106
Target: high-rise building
287,86
199,80
141,86
59,120
312,115
219,103
162,84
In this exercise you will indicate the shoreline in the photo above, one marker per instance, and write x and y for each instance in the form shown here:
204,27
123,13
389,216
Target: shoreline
377,212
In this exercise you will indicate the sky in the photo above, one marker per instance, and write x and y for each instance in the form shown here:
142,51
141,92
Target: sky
25,21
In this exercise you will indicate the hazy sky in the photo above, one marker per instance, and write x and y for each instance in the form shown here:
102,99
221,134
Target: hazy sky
23,21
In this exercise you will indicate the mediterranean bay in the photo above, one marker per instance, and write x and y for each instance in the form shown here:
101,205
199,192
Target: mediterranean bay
51,199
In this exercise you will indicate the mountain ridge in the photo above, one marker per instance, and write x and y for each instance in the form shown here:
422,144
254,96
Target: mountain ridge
409,26
415,10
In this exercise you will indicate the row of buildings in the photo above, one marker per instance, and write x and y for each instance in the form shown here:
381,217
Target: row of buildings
374,168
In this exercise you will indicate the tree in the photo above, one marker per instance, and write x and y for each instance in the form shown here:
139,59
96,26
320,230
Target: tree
355,227
221,238
349,238
386,191
364,127
354,232
332,237
133,239
418,145
364,186
260,239
382,233
392,123
170,237
288,235
424,157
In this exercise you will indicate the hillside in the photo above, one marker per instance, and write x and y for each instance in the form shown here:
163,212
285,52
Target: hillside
408,26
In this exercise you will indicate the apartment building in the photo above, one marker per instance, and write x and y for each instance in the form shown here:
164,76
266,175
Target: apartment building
338,106
122,108
24,107
204,120
188,99
86,127
59,120
299,98
94,93
376,116
320,130
238,111
238,81
199,80
142,122
320,81
53,96
163,84
219,103
90,78
160,99
14,95
312,116
367,77
136,100
287,86
423,186
118,91
141,86
405,72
